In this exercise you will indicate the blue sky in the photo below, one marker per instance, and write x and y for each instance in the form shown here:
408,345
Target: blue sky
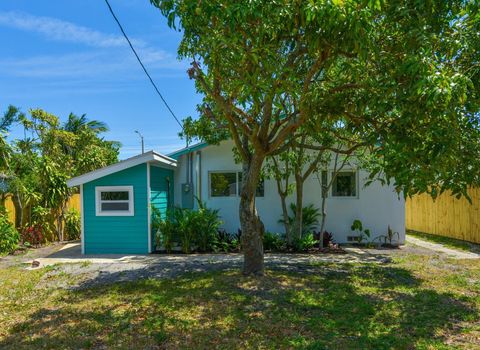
69,56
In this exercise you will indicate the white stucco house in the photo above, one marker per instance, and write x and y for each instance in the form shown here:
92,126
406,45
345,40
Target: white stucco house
376,206
116,201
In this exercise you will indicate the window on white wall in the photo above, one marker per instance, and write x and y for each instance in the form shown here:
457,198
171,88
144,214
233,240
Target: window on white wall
114,200
228,184
345,184
223,184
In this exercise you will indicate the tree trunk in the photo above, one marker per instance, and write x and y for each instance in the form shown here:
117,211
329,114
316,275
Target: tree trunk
252,226
288,233
322,225
17,203
283,201
298,224
60,226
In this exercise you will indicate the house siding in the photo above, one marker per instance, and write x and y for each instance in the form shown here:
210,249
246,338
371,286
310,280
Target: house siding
117,234
161,196
376,206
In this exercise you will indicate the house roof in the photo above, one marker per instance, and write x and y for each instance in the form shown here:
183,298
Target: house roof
146,157
176,154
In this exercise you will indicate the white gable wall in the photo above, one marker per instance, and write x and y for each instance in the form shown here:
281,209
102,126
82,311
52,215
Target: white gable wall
376,206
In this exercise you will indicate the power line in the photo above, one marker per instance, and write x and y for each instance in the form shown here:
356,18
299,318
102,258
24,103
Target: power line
140,61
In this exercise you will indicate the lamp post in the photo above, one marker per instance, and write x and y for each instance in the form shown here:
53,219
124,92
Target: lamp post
141,137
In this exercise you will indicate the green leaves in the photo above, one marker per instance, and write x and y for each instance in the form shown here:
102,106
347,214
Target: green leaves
39,164
9,236
401,78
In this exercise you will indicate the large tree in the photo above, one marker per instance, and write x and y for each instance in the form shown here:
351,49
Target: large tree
401,75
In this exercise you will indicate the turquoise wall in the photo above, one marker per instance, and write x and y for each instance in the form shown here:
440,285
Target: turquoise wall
117,234
160,196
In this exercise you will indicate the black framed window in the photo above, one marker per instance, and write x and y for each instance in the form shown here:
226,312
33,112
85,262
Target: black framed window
345,184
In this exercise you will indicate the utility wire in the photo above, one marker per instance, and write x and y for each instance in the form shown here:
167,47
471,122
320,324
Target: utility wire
140,61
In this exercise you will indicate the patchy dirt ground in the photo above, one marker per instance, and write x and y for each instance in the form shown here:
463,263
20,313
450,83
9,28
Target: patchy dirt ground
106,269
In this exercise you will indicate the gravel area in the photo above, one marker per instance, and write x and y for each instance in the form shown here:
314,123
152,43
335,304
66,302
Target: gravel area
176,265
105,269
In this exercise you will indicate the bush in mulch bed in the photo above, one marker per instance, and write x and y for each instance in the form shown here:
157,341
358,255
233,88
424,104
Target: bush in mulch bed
333,248
309,244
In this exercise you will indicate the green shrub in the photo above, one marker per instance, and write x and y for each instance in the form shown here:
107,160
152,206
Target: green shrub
357,226
223,242
185,220
9,236
72,224
165,235
227,242
43,222
310,216
305,243
206,224
156,219
189,228
273,241
165,228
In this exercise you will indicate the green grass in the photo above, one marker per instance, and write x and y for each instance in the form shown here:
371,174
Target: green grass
416,302
446,241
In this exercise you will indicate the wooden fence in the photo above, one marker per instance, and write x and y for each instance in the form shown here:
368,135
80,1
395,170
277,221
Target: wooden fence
74,202
446,216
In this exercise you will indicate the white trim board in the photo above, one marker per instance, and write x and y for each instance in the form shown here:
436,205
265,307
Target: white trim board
82,221
98,201
149,210
150,156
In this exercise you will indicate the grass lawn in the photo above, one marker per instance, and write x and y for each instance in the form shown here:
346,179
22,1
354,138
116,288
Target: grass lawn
415,302
447,241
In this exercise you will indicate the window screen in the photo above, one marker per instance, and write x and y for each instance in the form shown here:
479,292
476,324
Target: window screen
223,184
120,206
114,200
344,184
115,196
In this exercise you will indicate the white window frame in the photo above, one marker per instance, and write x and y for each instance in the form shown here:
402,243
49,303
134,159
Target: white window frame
357,187
98,201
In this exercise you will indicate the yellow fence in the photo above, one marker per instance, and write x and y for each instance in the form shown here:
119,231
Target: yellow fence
74,202
446,216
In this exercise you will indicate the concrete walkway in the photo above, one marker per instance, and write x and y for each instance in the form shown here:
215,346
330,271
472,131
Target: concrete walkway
70,253
439,248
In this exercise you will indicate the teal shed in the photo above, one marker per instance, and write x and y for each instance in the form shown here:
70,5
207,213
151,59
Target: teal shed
116,203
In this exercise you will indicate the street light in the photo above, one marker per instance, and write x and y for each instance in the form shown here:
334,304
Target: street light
141,137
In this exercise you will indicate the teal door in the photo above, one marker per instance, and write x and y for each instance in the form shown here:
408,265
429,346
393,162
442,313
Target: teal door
161,194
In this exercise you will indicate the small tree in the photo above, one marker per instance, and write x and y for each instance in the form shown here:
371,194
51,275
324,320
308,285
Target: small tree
297,164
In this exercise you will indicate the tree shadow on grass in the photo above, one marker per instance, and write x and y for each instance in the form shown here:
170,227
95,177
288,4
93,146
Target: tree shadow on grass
367,306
